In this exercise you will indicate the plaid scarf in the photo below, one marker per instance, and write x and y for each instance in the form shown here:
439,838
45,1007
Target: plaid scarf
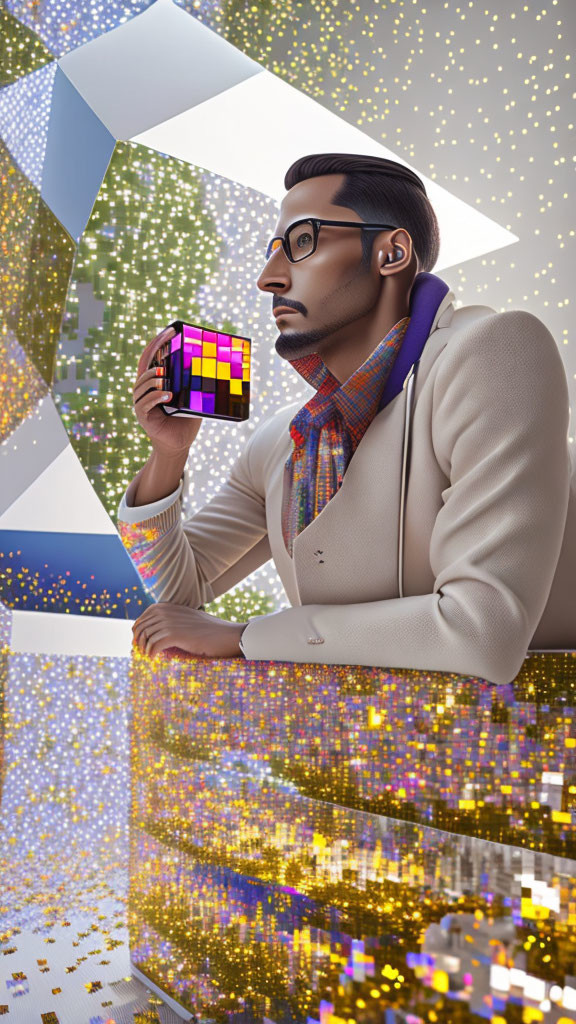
328,429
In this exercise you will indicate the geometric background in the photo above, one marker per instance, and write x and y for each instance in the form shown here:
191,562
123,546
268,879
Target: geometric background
124,209
478,97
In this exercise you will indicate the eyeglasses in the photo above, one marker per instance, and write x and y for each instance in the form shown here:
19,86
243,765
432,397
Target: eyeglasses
302,236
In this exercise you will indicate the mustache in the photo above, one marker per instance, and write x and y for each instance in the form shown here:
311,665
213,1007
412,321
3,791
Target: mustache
289,305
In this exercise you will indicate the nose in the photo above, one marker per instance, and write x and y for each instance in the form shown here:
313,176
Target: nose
275,276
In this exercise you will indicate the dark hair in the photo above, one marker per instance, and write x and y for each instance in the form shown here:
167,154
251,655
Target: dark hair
378,190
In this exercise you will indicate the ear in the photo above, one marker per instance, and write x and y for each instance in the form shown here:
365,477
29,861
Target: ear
396,252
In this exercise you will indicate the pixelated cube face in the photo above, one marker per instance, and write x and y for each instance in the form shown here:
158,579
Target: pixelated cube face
208,372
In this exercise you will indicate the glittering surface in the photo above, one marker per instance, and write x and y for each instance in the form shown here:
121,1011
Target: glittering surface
63,26
23,51
24,120
21,384
497,762
64,840
260,871
36,255
269,861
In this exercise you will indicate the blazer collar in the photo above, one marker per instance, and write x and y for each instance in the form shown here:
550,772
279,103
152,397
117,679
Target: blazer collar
427,297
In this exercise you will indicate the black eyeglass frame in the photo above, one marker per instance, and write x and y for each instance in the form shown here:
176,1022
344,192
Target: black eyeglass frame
317,223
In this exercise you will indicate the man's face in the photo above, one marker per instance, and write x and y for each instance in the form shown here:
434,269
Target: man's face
329,290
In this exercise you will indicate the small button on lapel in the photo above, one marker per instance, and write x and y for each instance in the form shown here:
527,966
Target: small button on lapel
315,639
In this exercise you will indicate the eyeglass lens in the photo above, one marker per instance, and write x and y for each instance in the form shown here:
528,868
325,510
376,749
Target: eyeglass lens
300,241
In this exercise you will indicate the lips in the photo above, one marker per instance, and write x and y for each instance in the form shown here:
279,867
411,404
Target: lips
283,310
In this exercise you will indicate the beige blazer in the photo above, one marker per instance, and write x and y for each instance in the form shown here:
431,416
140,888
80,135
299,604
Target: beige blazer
451,543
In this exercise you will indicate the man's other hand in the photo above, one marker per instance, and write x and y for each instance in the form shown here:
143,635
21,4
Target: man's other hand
197,632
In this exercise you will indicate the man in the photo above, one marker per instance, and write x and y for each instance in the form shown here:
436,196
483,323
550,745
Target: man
421,507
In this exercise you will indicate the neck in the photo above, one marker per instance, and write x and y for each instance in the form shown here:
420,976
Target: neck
347,349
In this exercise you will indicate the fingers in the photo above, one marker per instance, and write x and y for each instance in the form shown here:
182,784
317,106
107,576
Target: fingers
152,348
149,390
156,642
140,628
154,376
140,625
165,625
148,624
149,401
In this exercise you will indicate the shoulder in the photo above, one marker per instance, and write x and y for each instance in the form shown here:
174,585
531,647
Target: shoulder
484,344
513,325
500,376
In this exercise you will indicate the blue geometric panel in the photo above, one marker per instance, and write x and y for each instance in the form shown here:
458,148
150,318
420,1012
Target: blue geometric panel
24,119
74,573
77,154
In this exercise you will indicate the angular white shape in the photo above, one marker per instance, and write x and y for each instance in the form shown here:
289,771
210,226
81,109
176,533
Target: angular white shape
60,500
517,977
154,66
499,978
231,135
553,778
569,998
29,449
51,633
534,988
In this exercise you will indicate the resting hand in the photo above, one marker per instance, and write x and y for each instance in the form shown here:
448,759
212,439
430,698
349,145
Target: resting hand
165,625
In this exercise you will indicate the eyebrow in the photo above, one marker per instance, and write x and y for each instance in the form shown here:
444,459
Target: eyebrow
305,216
314,216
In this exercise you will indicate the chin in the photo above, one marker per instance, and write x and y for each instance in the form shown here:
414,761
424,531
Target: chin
298,343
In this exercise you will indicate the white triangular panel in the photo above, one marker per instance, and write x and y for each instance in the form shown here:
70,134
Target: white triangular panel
60,500
233,135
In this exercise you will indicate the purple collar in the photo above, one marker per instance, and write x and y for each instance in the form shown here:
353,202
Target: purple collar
427,293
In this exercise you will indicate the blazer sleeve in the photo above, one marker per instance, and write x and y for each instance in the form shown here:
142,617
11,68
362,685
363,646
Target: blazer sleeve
500,433
192,561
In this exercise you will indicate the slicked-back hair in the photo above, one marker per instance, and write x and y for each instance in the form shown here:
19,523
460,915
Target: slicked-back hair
379,191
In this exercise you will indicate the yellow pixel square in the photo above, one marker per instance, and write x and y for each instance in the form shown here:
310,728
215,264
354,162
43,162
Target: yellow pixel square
197,365
209,350
223,371
208,367
236,344
235,386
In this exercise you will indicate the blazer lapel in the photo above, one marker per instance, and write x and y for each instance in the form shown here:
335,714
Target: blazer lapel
349,552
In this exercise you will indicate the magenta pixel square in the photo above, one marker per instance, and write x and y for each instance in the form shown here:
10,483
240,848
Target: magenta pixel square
192,332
